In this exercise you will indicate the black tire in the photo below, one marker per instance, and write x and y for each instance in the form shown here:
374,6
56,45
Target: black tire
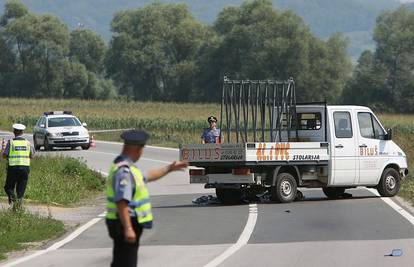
229,196
46,145
333,192
390,183
286,188
86,147
35,145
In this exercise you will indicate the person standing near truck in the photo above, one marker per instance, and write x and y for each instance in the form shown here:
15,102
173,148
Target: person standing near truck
18,153
212,134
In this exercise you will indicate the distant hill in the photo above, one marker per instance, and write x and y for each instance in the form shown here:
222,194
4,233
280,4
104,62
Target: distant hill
354,18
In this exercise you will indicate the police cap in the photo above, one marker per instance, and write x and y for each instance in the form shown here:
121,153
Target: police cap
212,119
135,137
19,127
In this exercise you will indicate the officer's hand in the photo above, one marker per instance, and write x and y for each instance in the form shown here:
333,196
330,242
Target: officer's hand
178,165
130,236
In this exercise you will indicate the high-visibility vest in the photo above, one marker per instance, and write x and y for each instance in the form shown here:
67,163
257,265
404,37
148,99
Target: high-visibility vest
19,153
140,201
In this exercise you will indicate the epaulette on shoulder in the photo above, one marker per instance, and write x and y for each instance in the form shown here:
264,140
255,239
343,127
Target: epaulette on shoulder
123,163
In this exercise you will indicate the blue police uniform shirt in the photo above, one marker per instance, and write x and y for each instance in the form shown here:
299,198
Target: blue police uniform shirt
209,135
124,183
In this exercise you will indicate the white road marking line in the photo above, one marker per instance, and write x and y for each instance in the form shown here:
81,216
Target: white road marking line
116,154
154,147
395,206
59,244
242,241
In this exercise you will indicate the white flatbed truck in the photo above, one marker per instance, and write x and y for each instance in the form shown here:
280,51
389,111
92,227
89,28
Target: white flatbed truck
333,148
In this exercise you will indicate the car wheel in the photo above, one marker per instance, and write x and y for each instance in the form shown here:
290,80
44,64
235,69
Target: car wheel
286,188
36,146
86,147
333,192
390,183
46,145
229,196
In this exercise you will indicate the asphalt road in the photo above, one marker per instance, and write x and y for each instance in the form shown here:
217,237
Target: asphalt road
359,231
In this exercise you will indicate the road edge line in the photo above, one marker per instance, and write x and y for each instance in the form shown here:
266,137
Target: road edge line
394,206
154,147
107,142
141,158
242,241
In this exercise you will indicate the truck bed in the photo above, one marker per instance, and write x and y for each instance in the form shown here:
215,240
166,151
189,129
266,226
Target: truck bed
245,154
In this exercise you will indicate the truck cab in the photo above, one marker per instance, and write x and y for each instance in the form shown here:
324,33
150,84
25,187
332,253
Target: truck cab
310,145
363,152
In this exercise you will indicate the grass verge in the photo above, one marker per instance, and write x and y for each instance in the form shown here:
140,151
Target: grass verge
18,228
58,180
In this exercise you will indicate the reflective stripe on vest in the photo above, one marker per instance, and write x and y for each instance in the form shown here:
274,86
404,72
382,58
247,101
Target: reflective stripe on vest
140,201
19,153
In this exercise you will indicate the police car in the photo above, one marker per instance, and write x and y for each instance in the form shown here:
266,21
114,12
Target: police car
60,129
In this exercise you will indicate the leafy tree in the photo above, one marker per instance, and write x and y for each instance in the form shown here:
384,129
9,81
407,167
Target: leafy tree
153,52
13,9
7,61
108,89
88,48
40,44
385,79
41,59
75,80
259,42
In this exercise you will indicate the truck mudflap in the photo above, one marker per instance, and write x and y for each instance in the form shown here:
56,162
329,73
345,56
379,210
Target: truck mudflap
404,173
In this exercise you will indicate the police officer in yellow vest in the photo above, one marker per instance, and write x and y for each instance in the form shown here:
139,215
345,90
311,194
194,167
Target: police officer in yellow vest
18,153
128,203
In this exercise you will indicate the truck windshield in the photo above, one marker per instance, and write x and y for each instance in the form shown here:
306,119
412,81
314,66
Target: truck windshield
63,122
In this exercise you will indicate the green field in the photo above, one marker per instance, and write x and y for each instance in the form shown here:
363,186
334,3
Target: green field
168,123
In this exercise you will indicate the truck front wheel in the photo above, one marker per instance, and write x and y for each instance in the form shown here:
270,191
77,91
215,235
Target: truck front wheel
390,183
285,189
229,196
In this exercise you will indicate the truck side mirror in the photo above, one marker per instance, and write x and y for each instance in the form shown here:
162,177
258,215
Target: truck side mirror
84,124
388,136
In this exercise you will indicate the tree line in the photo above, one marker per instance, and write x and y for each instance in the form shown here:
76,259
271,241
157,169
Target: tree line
160,52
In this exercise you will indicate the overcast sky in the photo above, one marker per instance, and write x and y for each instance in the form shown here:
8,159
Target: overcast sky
406,1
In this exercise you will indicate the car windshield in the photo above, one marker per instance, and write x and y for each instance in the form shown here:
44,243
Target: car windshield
63,121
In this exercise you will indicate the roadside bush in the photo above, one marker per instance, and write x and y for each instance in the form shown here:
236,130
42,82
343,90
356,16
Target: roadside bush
59,180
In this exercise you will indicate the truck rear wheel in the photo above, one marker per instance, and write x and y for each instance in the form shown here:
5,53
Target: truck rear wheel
333,192
390,183
229,195
285,189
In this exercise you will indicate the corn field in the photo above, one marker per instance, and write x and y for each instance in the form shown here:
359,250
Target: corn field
171,123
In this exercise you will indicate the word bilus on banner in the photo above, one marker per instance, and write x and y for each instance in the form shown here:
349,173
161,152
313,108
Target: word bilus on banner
278,151
368,151
201,154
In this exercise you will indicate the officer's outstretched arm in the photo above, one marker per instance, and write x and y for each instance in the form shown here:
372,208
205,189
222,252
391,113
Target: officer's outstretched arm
153,175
